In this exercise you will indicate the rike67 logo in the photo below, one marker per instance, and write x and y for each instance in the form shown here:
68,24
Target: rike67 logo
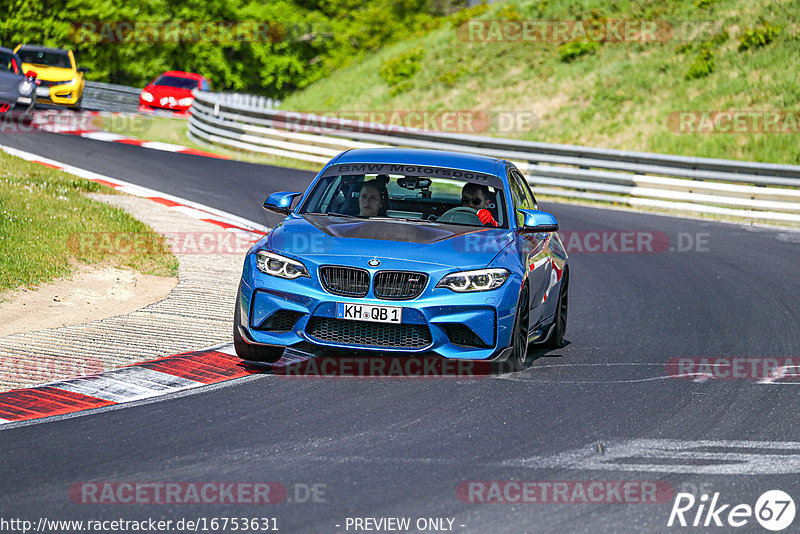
774,510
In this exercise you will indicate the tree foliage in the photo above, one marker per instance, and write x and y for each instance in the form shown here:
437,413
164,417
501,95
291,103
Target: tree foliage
307,38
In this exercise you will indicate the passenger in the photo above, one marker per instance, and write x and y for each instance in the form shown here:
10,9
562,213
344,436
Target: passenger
478,197
370,201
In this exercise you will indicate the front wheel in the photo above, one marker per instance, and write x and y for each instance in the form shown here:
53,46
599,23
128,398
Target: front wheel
556,340
246,351
78,105
519,353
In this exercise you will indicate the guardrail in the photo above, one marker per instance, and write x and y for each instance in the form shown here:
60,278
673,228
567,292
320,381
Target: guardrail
758,191
110,97
245,100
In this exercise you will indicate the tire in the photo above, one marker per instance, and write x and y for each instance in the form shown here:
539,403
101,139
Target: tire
519,354
556,340
78,105
246,351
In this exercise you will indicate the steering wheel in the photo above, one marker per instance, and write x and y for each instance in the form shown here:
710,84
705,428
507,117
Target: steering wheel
461,215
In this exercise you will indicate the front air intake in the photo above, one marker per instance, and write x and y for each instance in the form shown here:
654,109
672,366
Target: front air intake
345,281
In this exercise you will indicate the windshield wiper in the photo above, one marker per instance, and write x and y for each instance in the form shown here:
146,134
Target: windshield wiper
332,214
376,218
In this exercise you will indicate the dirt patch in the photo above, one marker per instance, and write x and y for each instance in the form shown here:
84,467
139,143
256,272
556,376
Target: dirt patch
91,293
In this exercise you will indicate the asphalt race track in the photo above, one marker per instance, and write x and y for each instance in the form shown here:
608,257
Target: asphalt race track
602,409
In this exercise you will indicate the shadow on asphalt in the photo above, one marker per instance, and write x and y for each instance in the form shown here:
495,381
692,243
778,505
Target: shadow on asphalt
326,363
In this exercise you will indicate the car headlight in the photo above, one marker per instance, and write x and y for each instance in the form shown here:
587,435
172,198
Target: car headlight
480,280
281,266
186,101
147,97
25,87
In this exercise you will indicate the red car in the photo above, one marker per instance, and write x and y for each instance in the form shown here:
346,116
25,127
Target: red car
172,91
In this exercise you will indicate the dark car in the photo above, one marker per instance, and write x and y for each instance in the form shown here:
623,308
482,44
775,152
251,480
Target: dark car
16,89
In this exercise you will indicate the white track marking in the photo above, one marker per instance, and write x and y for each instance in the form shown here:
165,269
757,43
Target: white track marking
711,457
781,373
103,136
227,349
529,375
192,212
127,384
706,457
166,147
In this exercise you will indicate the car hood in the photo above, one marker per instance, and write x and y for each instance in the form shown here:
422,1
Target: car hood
159,91
324,239
50,74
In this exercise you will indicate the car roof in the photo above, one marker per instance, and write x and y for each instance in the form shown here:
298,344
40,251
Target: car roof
39,48
182,74
414,156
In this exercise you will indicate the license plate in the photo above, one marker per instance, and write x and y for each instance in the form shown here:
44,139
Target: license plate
367,312
42,91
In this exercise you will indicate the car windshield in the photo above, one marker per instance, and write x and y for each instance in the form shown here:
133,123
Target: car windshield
7,63
404,196
177,82
45,58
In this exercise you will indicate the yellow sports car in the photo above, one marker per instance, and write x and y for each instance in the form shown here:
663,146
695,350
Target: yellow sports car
59,80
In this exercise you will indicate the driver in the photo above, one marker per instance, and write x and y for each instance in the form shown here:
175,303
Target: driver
478,197
369,199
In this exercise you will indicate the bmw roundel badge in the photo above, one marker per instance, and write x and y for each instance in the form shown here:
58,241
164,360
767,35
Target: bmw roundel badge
374,262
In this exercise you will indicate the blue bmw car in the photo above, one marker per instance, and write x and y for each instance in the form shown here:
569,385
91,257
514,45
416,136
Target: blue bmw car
407,251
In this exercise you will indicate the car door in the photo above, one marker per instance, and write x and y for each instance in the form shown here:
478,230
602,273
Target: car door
535,252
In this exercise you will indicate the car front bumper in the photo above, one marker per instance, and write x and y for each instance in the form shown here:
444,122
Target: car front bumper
14,102
433,322
150,107
61,95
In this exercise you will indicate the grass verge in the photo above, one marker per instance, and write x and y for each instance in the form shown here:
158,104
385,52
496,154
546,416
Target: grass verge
43,210
624,95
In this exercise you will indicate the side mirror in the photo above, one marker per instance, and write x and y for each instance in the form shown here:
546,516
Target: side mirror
281,202
538,221
84,69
